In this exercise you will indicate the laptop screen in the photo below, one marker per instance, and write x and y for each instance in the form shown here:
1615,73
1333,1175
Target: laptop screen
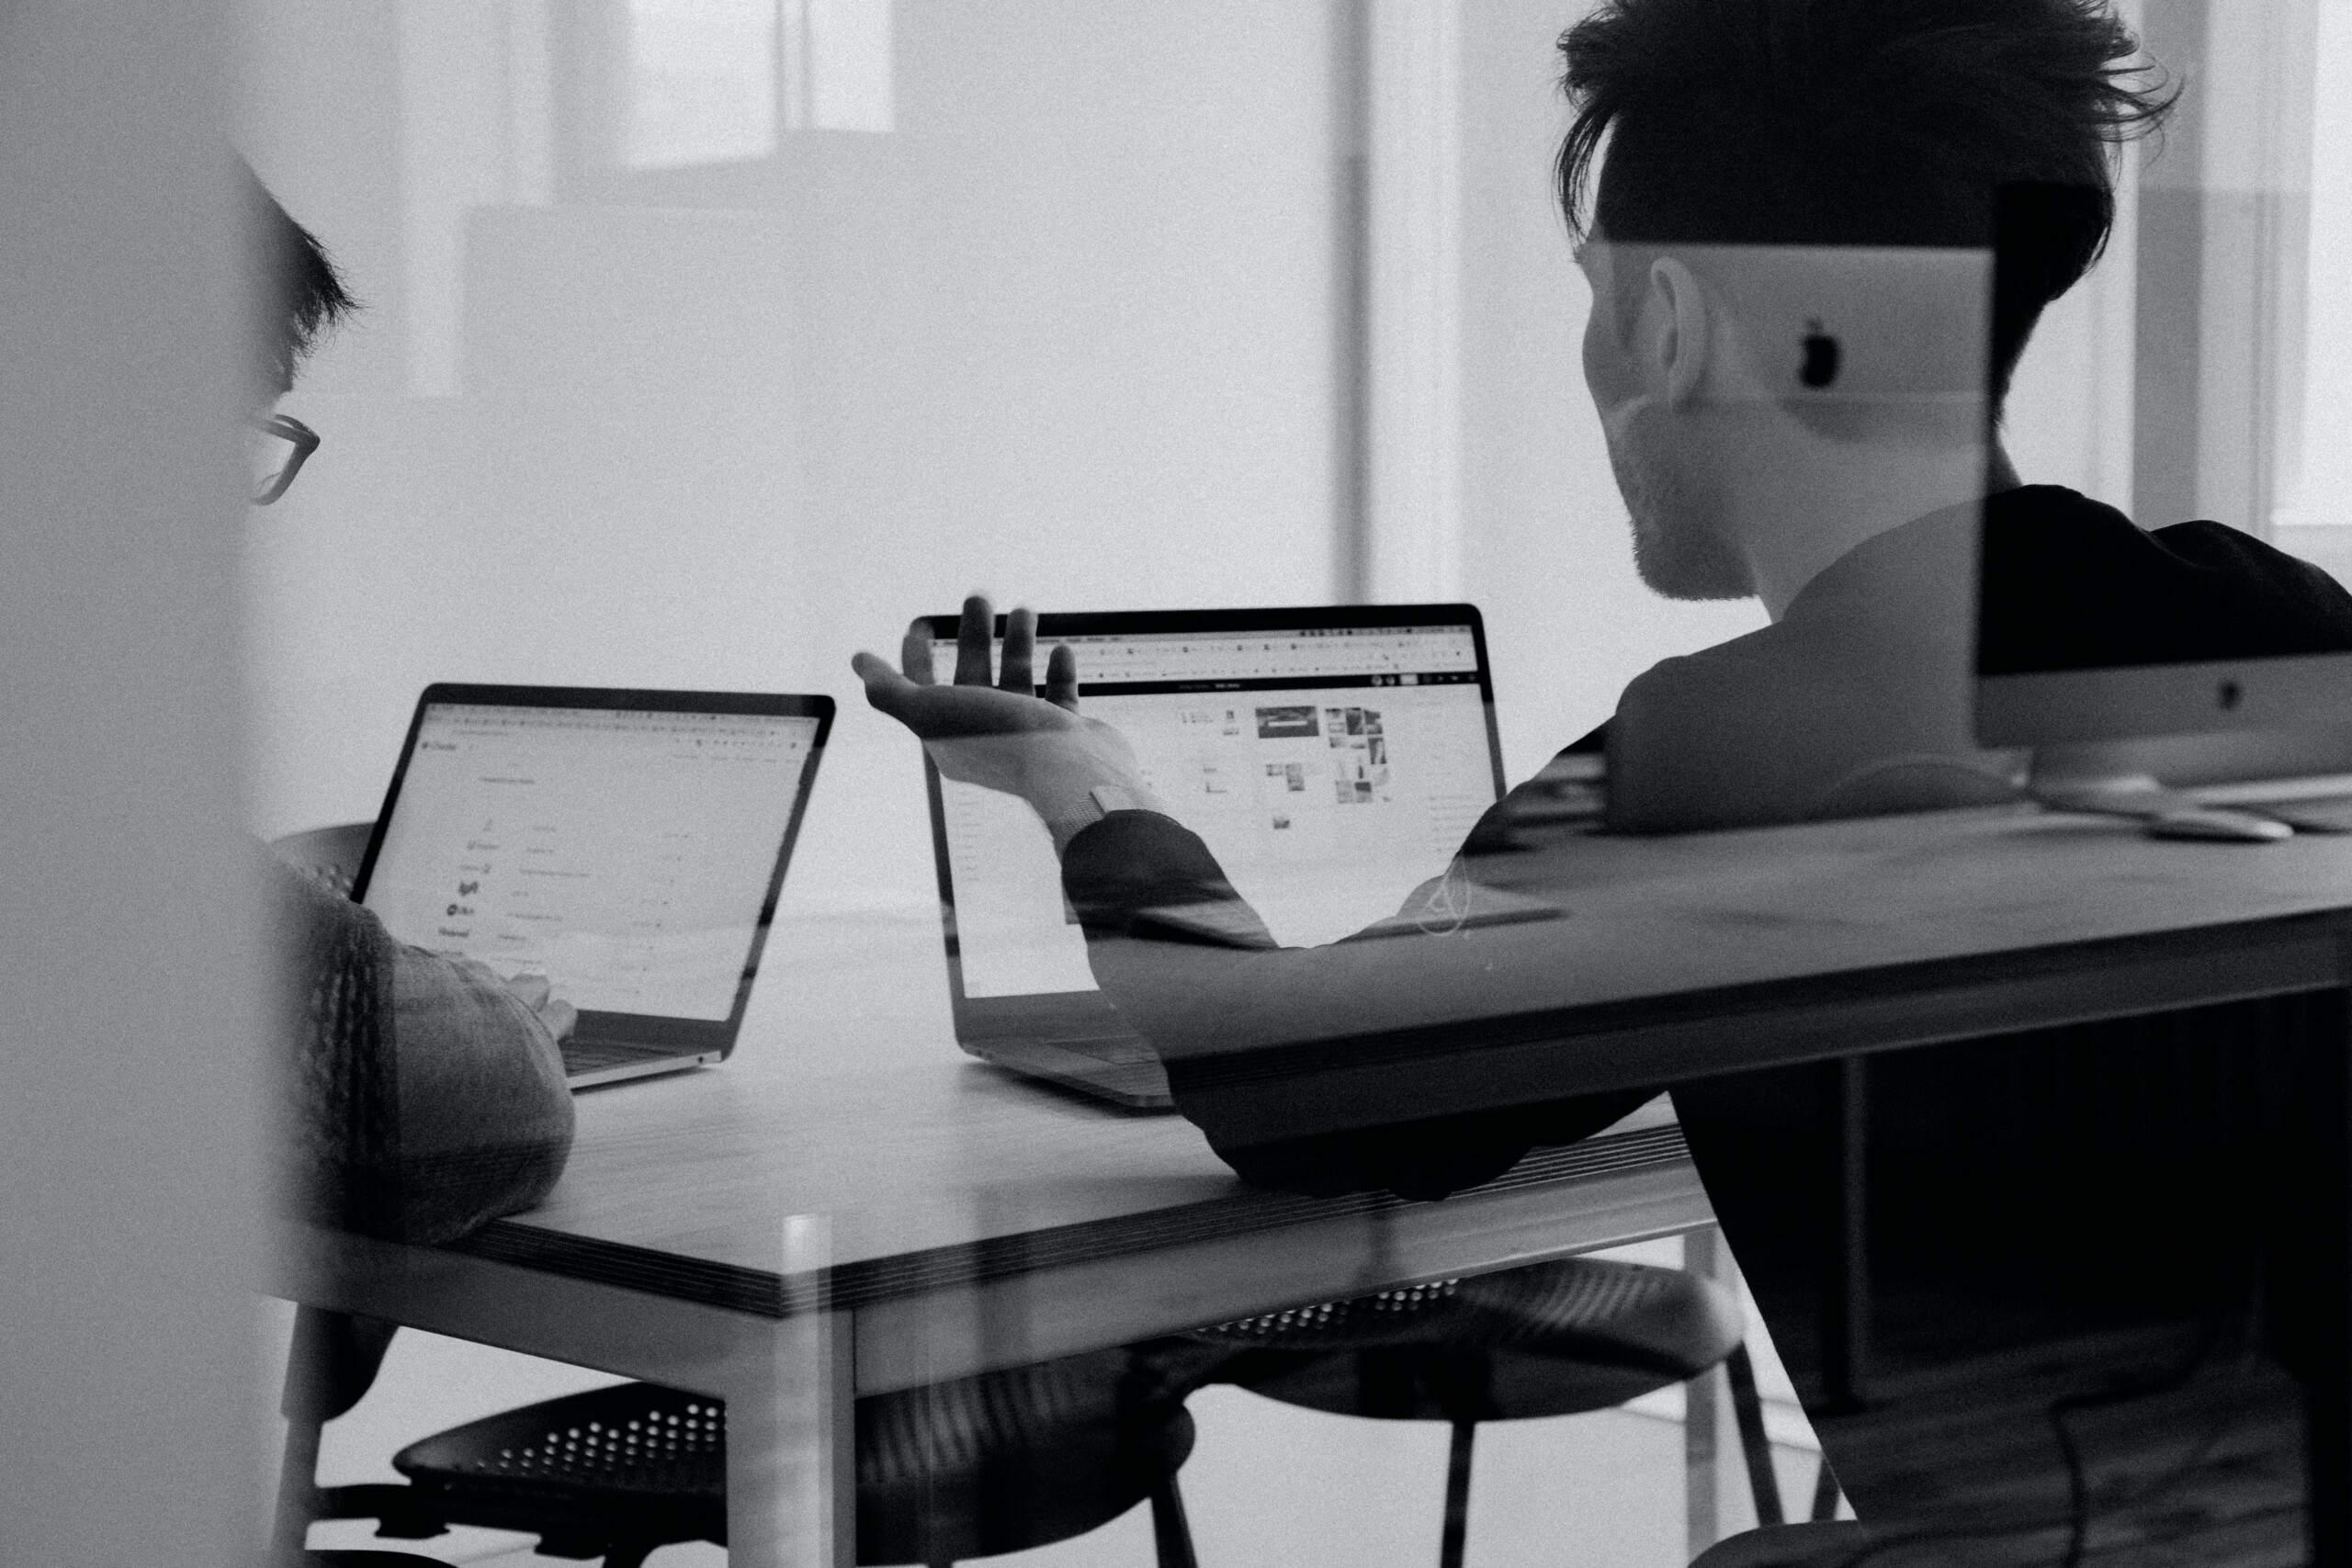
1330,768
628,855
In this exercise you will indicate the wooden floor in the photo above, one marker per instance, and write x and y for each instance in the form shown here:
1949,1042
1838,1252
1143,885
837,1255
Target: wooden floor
2202,1468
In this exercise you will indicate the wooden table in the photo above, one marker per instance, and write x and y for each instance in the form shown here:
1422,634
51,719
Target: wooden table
849,1207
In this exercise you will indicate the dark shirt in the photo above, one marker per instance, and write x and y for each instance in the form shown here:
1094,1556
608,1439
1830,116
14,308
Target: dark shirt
2022,1190
1858,700
2075,585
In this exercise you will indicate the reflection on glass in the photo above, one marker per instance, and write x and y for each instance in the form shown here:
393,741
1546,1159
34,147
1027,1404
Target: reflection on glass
849,64
2317,483
714,81
1817,440
701,82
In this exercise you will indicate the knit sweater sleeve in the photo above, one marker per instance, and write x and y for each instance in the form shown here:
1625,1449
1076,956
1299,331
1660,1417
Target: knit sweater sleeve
419,1098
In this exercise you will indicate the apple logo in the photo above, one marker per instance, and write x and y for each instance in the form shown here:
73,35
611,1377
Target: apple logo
1821,354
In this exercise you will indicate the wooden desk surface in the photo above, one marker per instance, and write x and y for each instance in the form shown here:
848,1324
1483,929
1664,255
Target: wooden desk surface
851,1150
1686,956
850,1156
957,1220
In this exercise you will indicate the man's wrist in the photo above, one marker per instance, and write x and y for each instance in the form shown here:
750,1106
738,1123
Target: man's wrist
1084,809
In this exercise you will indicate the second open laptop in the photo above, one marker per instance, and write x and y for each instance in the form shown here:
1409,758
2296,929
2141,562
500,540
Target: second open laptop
628,845
1333,759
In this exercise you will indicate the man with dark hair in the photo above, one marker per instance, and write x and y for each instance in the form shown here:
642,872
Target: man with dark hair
421,1095
1732,126
1733,139
1729,134
1856,122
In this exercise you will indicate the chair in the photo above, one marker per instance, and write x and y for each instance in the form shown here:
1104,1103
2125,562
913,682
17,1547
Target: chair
1819,1543
1554,1339
975,1467
328,855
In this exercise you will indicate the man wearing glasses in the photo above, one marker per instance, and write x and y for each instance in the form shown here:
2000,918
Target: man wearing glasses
422,1096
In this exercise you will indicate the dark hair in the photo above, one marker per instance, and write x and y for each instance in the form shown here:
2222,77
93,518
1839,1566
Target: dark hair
1861,122
300,294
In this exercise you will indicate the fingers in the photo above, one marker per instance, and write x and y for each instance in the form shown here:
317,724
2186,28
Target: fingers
1020,652
531,988
975,638
885,688
561,1017
914,652
1061,678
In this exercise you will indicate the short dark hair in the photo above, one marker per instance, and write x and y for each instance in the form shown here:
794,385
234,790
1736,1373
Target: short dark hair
1861,122
300,295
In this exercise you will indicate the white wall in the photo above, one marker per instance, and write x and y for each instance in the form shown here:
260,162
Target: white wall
127,1204
1064,333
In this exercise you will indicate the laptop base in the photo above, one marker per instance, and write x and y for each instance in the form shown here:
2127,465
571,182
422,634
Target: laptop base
593,1064
1134,1083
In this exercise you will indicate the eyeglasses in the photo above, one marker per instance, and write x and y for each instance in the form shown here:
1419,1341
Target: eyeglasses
280,444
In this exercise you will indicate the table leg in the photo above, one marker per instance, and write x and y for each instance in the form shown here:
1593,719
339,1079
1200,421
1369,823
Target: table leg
1846,1320
791,1456
1702,1416
792,1426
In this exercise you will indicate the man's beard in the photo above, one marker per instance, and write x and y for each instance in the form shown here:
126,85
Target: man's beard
1681,549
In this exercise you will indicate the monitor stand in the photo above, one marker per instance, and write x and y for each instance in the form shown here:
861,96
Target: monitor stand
2111,779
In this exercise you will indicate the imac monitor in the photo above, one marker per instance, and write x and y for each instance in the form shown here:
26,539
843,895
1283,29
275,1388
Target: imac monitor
2199,655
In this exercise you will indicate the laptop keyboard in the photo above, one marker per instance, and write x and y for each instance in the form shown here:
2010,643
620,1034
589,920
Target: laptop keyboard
1118,1052
595,1056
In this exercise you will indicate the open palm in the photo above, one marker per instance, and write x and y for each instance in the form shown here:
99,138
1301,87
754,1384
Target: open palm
990,728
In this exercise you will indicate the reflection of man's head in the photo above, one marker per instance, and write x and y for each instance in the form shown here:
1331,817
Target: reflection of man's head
1862,123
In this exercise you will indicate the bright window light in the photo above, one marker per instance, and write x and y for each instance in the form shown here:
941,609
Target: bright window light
701,85
2324,494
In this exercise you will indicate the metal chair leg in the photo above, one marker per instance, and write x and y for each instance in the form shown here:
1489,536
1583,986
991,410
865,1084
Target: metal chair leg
1825,1492
1171,1534
297,1487
1754,1446
331,1364
1457,1495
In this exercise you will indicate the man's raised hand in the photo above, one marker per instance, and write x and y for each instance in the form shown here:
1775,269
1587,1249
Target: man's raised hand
977,704
991,728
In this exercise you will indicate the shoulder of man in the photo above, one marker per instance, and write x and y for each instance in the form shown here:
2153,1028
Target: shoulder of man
2071,583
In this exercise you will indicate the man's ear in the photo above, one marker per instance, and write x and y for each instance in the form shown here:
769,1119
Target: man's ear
1687,341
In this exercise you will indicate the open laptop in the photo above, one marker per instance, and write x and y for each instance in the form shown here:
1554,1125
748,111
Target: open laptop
1333,759
628,845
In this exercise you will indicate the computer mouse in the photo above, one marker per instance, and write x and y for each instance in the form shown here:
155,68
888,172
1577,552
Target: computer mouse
2213,825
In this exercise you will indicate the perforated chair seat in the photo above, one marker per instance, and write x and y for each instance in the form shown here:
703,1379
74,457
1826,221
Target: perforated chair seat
633,1465
977,1467
1819,1544
1552,1339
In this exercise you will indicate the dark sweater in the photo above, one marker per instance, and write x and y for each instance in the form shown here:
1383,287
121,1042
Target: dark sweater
1872,662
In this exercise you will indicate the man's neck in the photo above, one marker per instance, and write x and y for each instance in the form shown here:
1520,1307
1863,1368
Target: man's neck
1796,532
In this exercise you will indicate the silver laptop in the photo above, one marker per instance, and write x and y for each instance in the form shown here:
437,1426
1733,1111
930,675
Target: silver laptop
626,845
1333,759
